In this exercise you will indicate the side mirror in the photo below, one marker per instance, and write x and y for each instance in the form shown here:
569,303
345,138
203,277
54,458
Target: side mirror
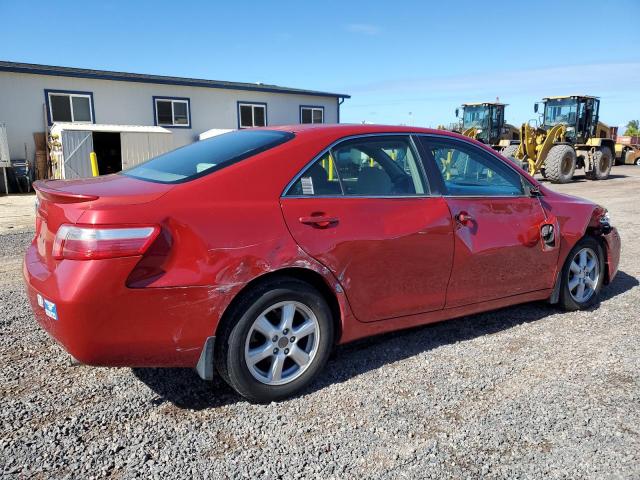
535,108
534,191
457,112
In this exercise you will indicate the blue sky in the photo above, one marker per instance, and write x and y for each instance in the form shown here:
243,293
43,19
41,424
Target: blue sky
393,58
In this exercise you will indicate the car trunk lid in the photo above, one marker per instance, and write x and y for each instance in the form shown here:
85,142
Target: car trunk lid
66,201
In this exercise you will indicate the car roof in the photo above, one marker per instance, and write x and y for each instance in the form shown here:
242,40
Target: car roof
343,129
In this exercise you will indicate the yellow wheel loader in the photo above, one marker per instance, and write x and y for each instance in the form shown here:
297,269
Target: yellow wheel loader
485,122
569,137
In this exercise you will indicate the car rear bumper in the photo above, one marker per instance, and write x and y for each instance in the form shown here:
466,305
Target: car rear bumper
613,245
100,321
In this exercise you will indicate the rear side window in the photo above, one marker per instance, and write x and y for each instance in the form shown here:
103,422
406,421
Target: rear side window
206,156
368,166
319,179
468,171
378,166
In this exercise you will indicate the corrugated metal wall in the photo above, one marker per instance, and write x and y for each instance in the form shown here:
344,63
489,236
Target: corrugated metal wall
76,147
4,147
139,147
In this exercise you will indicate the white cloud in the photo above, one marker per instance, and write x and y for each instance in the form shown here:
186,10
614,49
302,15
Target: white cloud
363,28
590,79
433,99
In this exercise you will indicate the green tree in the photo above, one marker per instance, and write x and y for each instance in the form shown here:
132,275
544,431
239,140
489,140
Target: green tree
633,128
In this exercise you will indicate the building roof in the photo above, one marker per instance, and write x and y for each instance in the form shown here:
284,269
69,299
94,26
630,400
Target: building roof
36,69
102,127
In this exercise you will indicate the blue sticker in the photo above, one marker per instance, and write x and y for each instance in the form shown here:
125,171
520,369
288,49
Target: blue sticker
50,309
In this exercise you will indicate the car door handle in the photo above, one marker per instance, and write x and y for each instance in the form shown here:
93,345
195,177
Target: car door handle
320,221
464,218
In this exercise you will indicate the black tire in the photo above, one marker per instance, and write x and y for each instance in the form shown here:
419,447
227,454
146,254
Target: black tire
510,153
602,163
560,164
567,301
229,353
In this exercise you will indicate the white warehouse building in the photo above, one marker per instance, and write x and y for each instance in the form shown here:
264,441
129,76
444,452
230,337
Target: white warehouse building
110,107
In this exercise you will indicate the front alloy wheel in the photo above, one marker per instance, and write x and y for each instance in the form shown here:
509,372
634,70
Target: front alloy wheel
582,275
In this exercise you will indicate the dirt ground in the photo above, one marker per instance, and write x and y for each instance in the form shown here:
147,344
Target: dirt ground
17,213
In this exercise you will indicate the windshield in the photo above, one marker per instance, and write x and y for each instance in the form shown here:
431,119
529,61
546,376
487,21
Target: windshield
206,156
560,111
476,116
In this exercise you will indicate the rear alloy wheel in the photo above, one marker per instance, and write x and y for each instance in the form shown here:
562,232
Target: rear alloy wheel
637,162
281,339
560,164
582,275
602,162
277,351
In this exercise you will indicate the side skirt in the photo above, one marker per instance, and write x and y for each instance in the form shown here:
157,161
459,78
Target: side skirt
355,330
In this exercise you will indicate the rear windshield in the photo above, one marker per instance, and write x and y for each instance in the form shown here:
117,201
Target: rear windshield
206,156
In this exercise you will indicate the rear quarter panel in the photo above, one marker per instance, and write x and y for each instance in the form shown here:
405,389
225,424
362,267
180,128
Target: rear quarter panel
224,230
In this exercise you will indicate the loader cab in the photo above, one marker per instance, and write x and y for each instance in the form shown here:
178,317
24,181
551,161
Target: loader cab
578,113
487,118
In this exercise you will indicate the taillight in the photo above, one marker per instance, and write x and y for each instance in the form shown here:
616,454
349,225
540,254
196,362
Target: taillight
87,243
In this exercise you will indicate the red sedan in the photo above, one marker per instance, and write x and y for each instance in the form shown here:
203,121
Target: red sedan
256,251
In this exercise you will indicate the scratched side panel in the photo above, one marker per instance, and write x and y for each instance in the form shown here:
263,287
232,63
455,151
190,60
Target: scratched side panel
218,233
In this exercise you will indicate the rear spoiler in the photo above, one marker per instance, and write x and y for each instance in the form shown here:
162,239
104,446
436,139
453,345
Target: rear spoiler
60,196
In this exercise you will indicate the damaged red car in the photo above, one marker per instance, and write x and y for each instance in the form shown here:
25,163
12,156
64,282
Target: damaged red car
254,252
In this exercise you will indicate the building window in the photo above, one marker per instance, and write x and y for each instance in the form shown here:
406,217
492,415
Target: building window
252,115
172,112
310,114
66,106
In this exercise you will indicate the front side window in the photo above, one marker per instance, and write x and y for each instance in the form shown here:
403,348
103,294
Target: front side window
368,166
311,114
206,156
468,171
172,112
252,115
70,107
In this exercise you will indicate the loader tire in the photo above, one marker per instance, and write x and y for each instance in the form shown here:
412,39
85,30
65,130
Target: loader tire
510,153
602,162
560,164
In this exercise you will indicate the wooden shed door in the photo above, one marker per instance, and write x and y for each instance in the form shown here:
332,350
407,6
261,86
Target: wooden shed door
76,147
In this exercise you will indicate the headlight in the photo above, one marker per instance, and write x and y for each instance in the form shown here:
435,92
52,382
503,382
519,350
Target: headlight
479,130
605,218
36,204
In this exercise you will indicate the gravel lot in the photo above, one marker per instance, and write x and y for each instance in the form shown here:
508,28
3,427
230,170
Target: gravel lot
524,392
